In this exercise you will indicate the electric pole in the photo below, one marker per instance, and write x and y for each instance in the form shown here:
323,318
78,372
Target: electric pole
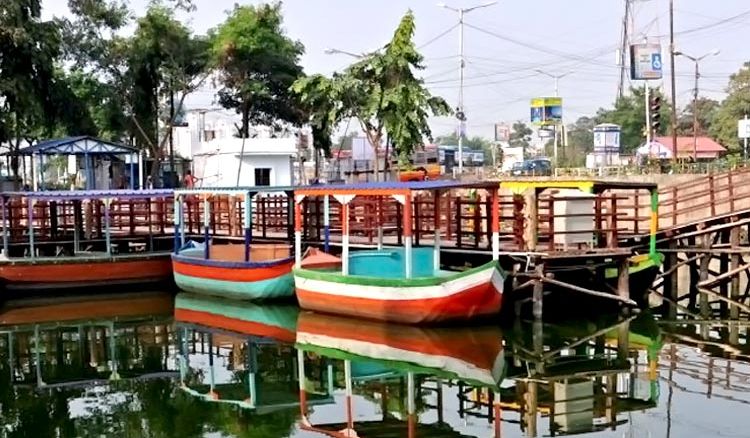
673,118
460,115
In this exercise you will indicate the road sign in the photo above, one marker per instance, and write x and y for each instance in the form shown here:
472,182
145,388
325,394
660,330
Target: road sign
743,128
645,62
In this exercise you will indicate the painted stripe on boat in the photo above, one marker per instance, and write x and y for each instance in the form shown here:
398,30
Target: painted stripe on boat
282,286
481,300
449,286
232,274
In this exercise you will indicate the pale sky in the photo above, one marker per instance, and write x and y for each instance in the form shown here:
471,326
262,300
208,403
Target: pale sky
514,38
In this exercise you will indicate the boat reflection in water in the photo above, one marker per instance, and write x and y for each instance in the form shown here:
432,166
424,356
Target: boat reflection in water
377,358
80,341
242,354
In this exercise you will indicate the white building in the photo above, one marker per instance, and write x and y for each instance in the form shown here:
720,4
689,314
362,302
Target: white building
209,140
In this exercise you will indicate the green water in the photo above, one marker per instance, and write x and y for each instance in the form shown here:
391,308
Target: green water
147,375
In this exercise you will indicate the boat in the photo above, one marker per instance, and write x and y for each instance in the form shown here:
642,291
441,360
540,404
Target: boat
258,271
75,246
395,284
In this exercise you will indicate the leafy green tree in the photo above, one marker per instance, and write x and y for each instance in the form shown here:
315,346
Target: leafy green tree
580,142
257,66
629,113
707,110
520,136
29,48
734,107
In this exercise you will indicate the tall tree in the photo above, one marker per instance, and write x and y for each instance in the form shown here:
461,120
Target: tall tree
629,113
29,48
707,110
257,65
520,136
734,107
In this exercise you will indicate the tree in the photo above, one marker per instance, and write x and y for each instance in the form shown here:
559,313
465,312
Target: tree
629,113
163,59
383,94
520,136
29,48
707,109
734,107
257,65
580,142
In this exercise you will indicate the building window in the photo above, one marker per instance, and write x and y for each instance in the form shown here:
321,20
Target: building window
263,176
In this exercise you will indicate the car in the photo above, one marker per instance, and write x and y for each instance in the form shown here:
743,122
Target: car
533,167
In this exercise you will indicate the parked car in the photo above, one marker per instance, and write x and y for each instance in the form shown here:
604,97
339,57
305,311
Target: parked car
533,167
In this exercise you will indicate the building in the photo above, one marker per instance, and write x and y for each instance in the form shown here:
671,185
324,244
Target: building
208,139
706,148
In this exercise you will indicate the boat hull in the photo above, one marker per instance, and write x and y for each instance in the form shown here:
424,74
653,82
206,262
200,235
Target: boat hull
463,296
235,280
60,273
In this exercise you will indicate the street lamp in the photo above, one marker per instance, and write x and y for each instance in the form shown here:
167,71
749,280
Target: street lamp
557,94
462,63
695,60
332,51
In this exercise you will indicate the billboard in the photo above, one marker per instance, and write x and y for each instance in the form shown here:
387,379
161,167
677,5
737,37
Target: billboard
546,111
502,132
645,62
606,138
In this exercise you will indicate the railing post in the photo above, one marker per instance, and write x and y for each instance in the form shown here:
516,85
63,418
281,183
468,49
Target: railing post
730,189
551,221
459,230
711,194
674,206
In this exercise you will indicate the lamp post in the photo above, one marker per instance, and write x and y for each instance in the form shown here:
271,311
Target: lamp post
696,61
557,94
460,115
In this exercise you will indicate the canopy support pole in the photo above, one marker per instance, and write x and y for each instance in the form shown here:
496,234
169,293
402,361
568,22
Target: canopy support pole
177,222
206,228
345,238
297,231
248,224
32,248
495,195
408,256
326,223
6,226
437,236
107,227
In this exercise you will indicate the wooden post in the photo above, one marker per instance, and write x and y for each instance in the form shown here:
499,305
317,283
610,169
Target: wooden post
623,278
415,223
532,216
6,227
380,223
623,340
724,267
671,287
734,293
538,292
459,226
654,225
705,308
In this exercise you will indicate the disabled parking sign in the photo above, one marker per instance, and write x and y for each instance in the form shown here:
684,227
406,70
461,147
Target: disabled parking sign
645,62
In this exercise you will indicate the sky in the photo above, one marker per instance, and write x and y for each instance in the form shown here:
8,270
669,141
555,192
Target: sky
504,46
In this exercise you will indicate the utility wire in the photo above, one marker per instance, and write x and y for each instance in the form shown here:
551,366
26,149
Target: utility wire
437,37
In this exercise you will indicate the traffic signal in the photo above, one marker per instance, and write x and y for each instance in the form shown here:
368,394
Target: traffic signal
654,111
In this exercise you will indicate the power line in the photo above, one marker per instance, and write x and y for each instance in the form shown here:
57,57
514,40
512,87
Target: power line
437,37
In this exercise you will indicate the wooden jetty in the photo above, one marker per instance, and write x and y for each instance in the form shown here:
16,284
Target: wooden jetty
65,239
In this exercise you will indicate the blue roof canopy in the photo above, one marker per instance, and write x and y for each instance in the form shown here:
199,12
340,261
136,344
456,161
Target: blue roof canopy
82,145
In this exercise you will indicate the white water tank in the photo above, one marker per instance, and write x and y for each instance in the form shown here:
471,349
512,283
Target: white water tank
574,218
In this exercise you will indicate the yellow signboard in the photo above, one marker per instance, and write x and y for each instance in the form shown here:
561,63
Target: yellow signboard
546,111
